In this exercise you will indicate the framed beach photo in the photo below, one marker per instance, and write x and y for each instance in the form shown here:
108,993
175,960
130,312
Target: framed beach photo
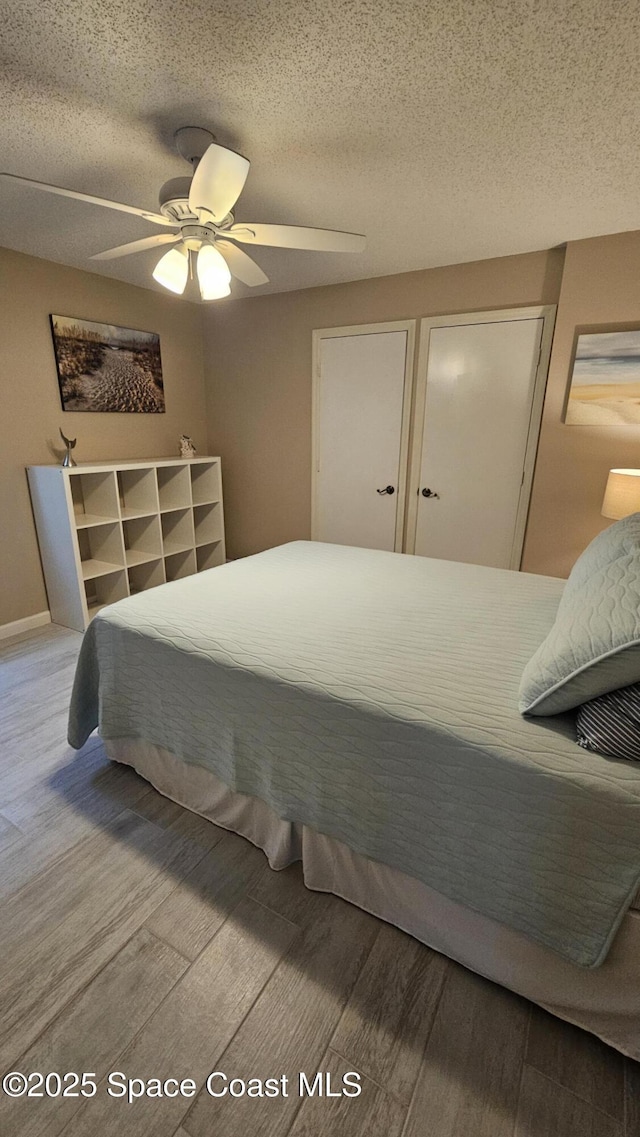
605,384
102,367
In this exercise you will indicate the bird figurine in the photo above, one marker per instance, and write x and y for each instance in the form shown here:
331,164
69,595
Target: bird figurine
70,445
187,449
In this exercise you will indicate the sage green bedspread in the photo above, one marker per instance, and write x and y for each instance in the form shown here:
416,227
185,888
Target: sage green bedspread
373,697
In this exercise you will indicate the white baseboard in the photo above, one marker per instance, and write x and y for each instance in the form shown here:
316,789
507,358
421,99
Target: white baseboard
29,622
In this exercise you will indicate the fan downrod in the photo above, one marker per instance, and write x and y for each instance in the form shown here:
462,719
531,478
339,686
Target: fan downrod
191,143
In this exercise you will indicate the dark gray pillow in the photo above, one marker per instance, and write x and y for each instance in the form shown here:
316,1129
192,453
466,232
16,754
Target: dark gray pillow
610,724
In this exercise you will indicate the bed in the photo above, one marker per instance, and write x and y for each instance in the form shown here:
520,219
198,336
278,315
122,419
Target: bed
358,710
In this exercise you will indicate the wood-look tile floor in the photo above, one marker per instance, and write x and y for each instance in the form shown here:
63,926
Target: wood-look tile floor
137,937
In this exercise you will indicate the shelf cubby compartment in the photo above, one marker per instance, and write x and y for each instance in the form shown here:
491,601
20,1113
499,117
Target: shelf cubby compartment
210,556
105,590
173,487
137,492
94,496
142,540
177,531
207,523
101,549
205,482
147,575
182,564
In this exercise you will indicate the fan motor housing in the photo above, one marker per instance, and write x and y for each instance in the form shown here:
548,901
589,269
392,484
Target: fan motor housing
194,234
174,199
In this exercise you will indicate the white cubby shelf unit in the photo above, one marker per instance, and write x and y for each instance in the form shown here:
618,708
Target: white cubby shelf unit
109,530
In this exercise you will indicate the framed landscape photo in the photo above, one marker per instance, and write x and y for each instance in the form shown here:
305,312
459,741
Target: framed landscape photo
102,367
605,384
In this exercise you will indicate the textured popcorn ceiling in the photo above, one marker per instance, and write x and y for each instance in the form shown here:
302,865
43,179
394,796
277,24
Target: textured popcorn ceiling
446,131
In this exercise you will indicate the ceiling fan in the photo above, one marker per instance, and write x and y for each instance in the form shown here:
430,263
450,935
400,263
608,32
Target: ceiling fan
198,212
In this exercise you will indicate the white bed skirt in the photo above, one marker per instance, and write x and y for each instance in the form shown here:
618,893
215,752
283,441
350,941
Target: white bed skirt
605,1001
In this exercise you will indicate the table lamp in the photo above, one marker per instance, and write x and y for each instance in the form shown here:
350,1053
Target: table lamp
622,495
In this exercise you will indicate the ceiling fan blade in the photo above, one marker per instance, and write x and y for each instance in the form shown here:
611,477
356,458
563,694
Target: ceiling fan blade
241,265
218,181
148,215
297,237
137,246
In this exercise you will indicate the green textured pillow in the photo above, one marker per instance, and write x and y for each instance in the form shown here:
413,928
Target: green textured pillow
594,645
620,538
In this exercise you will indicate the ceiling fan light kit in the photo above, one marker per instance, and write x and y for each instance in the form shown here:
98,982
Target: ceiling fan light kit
214,276
172,270
198,210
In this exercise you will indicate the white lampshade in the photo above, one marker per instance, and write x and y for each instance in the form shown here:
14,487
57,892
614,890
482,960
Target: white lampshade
172,270
622,495
213,274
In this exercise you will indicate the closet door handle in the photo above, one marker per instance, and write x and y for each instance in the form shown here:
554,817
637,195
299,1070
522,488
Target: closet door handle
430,493
387,489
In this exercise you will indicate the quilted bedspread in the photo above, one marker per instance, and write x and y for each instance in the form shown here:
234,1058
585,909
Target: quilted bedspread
373,696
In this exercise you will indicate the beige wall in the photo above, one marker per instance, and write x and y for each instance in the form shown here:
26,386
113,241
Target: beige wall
258,370
31,410
600,288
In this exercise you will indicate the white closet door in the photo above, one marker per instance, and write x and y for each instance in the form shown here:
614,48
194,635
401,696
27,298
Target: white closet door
481,419
360,432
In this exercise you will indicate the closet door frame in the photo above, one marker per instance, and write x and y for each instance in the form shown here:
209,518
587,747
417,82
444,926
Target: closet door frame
546,312
320,334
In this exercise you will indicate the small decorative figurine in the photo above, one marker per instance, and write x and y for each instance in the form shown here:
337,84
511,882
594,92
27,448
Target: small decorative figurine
70,445
187,449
